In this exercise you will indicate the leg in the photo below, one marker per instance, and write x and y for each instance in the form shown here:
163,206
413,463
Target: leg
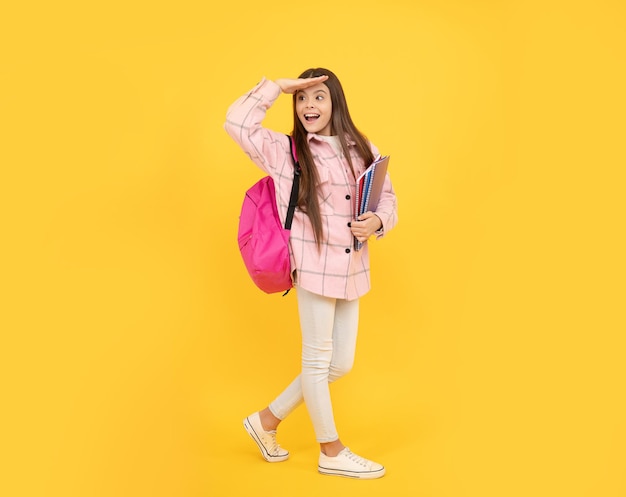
345,327
316,319
329,330
325,358
343,344
317,316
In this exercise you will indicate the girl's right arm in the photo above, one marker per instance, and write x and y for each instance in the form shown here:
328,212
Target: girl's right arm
266,148
243,124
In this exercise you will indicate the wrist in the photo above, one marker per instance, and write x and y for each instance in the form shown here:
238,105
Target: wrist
380,222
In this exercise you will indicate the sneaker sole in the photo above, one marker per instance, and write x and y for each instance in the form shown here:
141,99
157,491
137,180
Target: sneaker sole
268,457
365,475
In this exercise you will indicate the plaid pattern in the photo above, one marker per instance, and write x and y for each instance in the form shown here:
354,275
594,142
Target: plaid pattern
335,270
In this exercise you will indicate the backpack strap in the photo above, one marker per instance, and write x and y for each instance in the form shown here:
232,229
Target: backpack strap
293,199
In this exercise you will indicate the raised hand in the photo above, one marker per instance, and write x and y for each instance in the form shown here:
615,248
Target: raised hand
293,85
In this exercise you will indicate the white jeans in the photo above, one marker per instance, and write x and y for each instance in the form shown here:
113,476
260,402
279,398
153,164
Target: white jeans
329,329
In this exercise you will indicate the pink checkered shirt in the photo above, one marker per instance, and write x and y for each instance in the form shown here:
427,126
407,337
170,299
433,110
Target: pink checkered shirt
335,270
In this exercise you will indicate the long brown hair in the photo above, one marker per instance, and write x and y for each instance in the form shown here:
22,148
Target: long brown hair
343,127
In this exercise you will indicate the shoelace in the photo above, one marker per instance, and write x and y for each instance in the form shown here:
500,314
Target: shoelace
357,459
275,447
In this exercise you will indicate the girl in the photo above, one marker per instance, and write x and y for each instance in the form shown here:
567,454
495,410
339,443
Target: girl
329,275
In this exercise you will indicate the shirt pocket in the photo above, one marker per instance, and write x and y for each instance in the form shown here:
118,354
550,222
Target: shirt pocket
325,192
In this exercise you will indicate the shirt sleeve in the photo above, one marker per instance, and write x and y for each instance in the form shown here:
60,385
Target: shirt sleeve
266,148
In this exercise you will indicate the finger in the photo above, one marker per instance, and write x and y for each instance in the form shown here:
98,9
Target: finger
313,81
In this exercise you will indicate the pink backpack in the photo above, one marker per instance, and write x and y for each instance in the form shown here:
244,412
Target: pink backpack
263,240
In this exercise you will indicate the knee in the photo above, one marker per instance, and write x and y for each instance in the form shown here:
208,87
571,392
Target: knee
339,370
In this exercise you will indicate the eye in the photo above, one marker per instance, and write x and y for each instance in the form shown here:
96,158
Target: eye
300,97
319,97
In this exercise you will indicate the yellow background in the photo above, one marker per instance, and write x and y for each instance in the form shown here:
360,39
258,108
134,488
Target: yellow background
491,354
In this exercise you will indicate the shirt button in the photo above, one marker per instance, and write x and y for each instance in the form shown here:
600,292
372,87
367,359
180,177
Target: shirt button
349,225
347,251
347,197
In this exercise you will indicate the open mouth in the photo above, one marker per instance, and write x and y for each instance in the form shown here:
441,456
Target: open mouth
311,117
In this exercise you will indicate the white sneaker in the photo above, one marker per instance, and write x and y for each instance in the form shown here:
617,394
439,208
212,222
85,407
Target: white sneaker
266,440
348,464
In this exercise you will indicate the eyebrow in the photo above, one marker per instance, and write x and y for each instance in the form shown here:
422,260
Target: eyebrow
321,90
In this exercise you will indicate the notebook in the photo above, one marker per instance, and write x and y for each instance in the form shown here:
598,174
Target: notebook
369,187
